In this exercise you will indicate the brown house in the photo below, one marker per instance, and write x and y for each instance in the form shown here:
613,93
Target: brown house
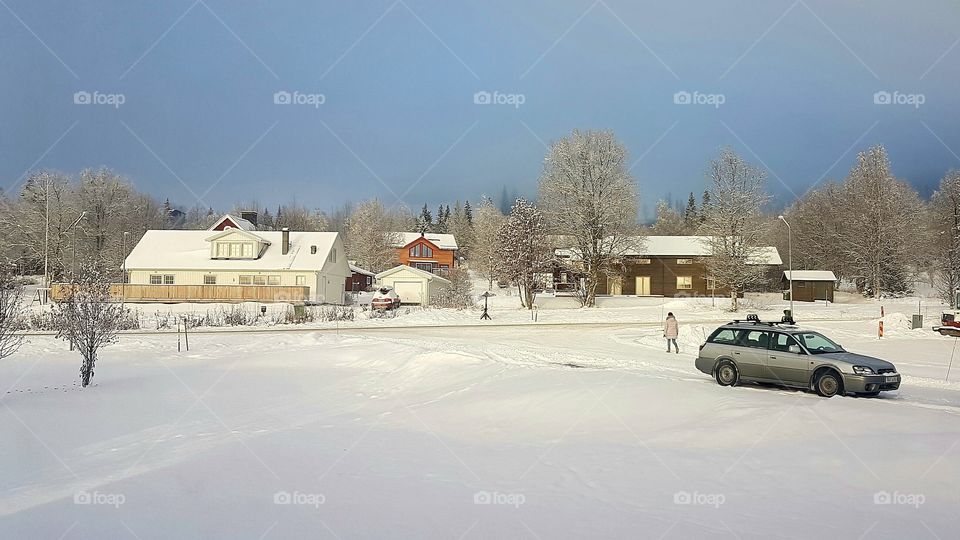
359,280
435,253
809,285
671,266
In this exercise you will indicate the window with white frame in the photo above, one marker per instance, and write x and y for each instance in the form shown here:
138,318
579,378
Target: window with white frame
301,280
643,261
684,282
234,250
259,280
684,261
711,284
156,279
333,255
273,280
168,279
209,280
246,280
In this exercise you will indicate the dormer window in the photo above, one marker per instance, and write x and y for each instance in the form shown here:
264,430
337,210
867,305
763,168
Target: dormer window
421,250
234,250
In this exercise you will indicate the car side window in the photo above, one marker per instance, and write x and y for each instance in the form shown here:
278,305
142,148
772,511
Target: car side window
782,342
725,336
755,339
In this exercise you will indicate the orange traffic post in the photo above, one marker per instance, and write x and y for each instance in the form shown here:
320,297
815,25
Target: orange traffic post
881,329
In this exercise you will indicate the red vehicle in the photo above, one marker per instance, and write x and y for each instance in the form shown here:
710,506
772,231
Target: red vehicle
385,298
948,326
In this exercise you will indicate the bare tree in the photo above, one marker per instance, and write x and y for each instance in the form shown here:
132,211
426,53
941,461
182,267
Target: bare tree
944,226
669,221
819,226
524,254
86,318
734,225
11,314
372,237
588,195
483,254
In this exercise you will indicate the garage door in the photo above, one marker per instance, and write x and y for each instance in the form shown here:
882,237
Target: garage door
409,291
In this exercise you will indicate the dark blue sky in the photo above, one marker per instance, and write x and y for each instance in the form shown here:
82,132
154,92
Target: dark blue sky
797,80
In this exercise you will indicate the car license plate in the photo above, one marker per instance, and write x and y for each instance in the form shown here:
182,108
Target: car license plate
891,379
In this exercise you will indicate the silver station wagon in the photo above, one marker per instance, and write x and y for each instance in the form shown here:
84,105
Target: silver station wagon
787,355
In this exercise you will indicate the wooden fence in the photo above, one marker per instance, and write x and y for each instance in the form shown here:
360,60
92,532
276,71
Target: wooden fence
196,293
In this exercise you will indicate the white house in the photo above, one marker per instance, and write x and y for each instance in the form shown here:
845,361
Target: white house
413,286
236,257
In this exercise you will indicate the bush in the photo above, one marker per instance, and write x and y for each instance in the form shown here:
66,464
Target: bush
457,295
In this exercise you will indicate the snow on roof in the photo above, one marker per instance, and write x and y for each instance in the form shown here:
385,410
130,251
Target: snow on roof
190,250
357,270
684,246
239,222
810,275
416,271
442,241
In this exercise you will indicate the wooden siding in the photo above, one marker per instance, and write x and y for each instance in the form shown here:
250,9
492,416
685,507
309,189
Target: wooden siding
196,293
440,256
809,291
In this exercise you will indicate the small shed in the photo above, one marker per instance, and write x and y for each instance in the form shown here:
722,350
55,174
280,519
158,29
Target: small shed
413,286
360,280
809,285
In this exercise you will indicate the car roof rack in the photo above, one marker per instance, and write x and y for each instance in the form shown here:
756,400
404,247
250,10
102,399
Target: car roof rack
752,318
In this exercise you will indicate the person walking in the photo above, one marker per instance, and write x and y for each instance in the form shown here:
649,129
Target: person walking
670,331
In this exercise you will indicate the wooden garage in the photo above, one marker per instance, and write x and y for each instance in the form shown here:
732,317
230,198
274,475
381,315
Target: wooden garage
809,285
413,286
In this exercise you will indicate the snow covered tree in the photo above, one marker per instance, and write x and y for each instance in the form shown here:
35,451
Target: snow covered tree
468,212
485,248
459,294
372,237
461,228
944,224
524,253
704,203
669,221
819,227
734,223
691,216
880,237
588,196
300,218
86,318
425,221
11,314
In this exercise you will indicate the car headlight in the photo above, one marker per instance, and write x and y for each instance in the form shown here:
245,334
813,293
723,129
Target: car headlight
863,370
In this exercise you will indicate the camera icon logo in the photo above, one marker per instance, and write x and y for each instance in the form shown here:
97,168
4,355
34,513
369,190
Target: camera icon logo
482,497
82,98
281,98
682,98
682,497
281,497
882,497
482,98
82,497
882,98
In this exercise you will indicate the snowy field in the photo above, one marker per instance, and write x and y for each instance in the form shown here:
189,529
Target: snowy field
504,432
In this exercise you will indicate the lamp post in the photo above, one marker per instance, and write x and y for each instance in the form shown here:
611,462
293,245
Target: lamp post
123,278
789,259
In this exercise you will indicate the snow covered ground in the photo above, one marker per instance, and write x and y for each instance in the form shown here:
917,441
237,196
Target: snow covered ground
503,432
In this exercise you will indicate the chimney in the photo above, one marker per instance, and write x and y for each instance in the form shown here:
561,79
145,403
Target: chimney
286,240
249,215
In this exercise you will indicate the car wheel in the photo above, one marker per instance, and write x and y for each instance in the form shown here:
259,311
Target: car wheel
727,373
828,384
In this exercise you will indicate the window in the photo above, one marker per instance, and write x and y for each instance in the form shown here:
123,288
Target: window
259,280
684,261
168,279
755,339
684,282
427,251
333,255
421,250
313,250
301,280
711,284
818,343
246,280
209,280
248,250
725,336
234,250
156,279
273,280
782,342
425,266
223,249
643,261
415,251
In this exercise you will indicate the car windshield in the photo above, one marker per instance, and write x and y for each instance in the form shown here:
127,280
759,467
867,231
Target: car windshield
818,343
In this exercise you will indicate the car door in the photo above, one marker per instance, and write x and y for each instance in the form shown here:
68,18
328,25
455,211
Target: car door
786,365
751,353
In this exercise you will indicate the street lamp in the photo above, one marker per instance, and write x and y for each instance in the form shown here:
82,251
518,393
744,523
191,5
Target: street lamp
789,259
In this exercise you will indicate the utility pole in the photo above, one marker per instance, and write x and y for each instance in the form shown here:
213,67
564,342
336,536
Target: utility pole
123,278
46,230
790,259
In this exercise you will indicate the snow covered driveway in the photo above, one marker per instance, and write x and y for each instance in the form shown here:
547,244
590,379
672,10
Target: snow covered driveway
560,432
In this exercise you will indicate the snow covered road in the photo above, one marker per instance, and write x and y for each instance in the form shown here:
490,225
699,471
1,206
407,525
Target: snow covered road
467,433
